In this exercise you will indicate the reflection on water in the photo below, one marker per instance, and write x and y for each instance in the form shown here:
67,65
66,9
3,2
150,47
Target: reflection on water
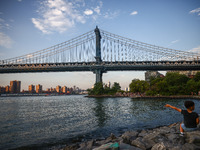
54,120
100,112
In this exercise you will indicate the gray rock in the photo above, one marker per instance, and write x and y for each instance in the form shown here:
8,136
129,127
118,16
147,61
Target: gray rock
112,136
124,146
176,148
162,138
112,146
129,136
193,137
157,137
86,145
159,146
143,133
102,142
175,139
71,147
188,146
148,143
138,143
151,136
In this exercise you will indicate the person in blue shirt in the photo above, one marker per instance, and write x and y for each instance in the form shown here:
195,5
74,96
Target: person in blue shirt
191,119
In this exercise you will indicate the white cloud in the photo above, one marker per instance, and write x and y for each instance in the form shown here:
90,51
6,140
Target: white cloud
5,41
98,8
62,15
195,11
4,24
19,0
195,50
134,13
57,16
173,42
111,15
88,12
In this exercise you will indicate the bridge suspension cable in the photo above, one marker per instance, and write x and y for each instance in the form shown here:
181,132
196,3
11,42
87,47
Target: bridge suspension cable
114,48
118,48
79,49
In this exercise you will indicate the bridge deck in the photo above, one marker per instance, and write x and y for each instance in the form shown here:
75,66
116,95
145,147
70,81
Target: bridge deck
104,66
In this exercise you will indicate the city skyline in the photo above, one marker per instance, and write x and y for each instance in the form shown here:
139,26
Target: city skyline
29,26
33,87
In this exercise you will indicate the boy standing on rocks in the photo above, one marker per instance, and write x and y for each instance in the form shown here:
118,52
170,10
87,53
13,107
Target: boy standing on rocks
191,119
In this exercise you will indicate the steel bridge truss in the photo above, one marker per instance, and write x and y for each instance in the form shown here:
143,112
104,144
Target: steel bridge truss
115,53
118,48
79,49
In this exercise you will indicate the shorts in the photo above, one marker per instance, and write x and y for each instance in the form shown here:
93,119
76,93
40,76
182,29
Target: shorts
187,129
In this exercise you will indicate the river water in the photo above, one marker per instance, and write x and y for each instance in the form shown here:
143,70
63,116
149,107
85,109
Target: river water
53,121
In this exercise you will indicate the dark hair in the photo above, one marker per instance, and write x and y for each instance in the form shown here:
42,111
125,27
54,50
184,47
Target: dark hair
189,104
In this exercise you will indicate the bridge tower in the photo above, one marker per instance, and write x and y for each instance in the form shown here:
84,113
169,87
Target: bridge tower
98,70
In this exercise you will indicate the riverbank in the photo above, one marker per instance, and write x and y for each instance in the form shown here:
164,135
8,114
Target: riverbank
160,138
35,94
147,97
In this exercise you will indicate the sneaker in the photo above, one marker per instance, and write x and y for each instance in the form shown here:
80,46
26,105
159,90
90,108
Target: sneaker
182,134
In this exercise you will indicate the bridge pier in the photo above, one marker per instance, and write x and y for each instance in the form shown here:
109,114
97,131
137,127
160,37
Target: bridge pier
99,71
99,74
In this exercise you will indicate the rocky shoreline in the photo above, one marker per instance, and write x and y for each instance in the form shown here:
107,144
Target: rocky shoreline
147,97
160,138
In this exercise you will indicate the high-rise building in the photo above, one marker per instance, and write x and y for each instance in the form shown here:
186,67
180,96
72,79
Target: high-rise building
31,88
48,90
152,74
52,90
58,89
127,89
109,84
64,89
2,89
15,86
7,89
38,88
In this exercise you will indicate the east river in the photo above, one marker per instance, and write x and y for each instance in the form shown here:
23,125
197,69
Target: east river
51,122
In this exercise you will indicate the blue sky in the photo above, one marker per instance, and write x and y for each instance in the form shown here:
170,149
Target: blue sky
27,26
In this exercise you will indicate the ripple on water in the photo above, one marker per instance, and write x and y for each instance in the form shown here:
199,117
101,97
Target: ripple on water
54,120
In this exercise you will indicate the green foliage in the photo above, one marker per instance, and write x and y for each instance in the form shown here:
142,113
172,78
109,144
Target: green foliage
116,87
97,90
139,86
171,84
197,77
174,84
100,90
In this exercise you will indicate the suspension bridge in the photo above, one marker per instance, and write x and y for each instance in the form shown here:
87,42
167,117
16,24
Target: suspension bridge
100,51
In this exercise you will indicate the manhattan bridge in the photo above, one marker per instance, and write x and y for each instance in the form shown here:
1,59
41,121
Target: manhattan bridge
100,51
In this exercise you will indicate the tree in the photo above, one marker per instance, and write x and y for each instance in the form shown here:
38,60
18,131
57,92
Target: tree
116,87
162,87
139,86
197,77
192,86
97,90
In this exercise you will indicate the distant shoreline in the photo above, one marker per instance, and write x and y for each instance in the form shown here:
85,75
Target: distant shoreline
147,97
106,96
42,94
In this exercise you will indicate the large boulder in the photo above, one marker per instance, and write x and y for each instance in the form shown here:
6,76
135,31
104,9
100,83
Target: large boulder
129,136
